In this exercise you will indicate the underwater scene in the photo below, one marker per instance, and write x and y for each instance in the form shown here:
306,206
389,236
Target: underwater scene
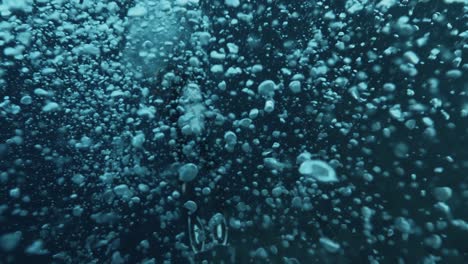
234,131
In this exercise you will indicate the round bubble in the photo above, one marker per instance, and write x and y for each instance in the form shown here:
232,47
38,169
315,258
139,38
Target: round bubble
188,172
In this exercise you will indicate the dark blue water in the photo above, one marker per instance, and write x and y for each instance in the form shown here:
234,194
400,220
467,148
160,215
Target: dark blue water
128,127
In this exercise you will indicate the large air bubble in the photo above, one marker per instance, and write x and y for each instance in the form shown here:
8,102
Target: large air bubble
155,28
318,170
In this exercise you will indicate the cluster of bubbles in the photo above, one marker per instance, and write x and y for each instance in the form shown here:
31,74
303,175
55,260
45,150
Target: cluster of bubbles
233,131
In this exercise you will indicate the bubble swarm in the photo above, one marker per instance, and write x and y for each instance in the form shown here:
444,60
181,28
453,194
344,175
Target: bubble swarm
233,131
